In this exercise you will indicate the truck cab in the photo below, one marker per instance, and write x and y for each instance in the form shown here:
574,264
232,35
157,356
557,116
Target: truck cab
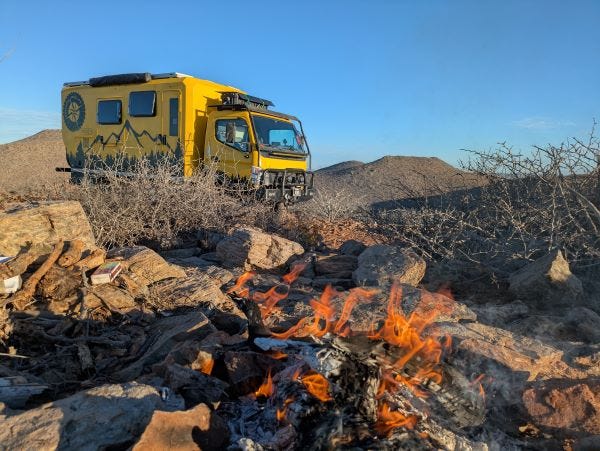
263,146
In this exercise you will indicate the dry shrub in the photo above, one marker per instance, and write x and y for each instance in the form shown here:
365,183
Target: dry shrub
333,204
528,205
153,204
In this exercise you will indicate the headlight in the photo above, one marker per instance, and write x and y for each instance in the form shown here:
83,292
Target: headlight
301,178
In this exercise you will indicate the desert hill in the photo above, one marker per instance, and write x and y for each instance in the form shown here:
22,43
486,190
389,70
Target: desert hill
394,177
29,163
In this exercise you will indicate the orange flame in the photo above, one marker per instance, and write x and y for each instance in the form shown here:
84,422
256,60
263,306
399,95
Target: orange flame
207,365
293,275
267,388
388,420
321,323
355,295
269,299
478,381
317,386
278,355
281,412
240,287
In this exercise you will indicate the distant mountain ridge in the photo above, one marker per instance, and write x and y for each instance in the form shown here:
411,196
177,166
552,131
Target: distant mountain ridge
393,178
29,162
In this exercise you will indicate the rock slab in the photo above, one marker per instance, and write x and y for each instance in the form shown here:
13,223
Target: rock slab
383,265
546,282
43,223
90,420
250,247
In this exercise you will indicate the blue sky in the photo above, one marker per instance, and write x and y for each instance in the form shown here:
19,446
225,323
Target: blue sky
368,78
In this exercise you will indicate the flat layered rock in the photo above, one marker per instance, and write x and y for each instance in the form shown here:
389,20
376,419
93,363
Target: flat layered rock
382,265
571,407
194,429
90,420
146,265
43,223
516,352
250,247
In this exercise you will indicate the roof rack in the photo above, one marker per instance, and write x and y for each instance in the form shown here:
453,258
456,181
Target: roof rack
152,76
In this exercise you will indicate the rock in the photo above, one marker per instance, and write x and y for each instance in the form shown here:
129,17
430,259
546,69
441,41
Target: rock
110,415
181,253
576,324
322,282
246,371
336,266
515,352
252,248
546,282
201,288
571,408
585,323
146,265
16,390
161,337
500,314
352,247
194,386
382,265
113,297
194,429
437,306
43,223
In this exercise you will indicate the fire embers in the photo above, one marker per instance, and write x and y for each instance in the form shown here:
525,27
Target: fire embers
404,347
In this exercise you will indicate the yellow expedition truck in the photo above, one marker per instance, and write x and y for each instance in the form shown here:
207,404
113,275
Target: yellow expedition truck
123,118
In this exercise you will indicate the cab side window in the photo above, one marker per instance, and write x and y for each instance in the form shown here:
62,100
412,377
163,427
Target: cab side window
233,132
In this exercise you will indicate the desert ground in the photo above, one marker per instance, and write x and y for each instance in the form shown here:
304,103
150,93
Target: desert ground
410,305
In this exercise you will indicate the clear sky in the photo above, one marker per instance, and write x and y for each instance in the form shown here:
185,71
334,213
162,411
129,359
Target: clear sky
368,78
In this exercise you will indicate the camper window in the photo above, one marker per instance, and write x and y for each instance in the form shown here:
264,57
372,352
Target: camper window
109,112
142,103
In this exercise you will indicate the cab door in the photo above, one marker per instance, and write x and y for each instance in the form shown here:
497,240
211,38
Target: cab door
171,125
229,139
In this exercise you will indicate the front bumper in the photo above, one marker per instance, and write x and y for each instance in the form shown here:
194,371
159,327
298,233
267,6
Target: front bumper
287,185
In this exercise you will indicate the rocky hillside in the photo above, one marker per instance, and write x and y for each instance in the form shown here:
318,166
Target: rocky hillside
29,163
394,177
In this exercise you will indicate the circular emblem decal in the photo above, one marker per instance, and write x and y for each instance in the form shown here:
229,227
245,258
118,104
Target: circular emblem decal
73,111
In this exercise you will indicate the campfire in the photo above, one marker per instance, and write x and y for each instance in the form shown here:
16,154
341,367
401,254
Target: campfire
360,386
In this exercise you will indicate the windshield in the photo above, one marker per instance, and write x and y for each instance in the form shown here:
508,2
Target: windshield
279,134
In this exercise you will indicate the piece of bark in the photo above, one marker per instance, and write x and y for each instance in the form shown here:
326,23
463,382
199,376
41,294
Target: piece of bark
22,297
19,264
59,283
73,253
95,259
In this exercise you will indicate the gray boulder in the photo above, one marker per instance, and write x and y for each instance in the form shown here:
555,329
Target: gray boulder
382,265
94,419
250,247
546,282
